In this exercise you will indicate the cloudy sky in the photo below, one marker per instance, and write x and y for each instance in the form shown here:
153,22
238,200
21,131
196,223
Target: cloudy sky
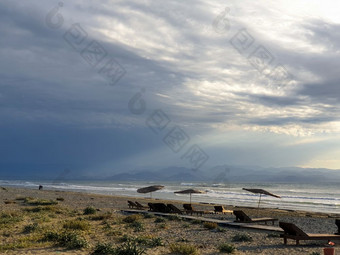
124,85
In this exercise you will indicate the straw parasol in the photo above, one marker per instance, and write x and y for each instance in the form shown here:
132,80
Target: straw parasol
189,191
150,189
261,192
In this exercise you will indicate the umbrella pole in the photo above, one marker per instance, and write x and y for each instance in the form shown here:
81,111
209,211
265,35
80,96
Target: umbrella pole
258,206
190,198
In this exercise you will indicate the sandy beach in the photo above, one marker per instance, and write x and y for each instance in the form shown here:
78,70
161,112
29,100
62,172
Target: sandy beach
28,217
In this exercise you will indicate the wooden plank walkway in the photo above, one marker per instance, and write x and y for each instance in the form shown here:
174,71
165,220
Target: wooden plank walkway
222,223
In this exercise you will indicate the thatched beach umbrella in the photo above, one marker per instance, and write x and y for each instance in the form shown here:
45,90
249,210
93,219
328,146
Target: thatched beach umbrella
150,189
190,191
261,192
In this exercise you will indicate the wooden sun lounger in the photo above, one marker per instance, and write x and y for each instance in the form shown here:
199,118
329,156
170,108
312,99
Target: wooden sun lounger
132,204
189,209
220,209
174,209
291,231
244,218
151,207
160,207
140,206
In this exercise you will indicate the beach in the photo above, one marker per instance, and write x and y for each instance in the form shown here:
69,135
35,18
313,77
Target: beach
22,209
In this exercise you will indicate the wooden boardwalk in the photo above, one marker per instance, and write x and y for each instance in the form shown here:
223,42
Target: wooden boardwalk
222,223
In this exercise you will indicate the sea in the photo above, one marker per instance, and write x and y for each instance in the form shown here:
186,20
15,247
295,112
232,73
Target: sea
305,197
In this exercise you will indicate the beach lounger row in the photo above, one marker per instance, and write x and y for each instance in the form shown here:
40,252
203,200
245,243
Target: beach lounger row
170,208
136,205
291,231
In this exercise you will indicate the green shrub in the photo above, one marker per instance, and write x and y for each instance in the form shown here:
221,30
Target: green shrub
124,238
221,230
90,210
129,248
50,236
155,241
77,225
107,225
132,218
159,220
60,199
31,228
315,253
184,249
138,226
103,249
242,238
70,240
210,225
10,218
174,217
226,248
186,225
38,209
196,222
30,201
148,241
149,216
101,217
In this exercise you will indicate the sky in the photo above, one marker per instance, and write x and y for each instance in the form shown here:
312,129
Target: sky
112,86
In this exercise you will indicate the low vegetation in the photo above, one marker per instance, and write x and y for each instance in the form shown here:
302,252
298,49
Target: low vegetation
227,248
129,248
36,223
160,220
10,218
70,240
183,249
132,218
77,225
36,202
31,228
210,225
90,210
103,249
242,238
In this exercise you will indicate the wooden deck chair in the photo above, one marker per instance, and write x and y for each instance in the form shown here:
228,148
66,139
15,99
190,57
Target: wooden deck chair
132,204
140,206
189,209
244,218
152,208
220,209
160,207
174,209
291,231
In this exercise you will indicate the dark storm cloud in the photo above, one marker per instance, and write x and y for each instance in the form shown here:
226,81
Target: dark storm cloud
169,51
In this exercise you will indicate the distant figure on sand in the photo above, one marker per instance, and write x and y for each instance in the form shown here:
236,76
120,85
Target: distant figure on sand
40,187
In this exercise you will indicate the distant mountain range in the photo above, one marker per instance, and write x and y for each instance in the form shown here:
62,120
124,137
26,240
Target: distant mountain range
226,173
217,174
